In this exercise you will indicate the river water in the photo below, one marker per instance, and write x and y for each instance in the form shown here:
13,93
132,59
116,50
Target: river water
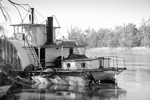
136,79
133,84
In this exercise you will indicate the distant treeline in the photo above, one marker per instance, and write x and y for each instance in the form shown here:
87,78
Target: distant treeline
122,36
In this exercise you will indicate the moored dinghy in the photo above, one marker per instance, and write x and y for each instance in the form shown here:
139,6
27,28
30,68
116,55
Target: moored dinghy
3,90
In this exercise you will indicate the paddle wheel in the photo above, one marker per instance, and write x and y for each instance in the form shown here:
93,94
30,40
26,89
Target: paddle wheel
9,54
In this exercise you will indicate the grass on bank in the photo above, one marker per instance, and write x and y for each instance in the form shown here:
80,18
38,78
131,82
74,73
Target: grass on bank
122,49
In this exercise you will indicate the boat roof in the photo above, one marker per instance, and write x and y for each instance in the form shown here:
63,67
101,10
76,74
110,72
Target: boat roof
28,25
63,45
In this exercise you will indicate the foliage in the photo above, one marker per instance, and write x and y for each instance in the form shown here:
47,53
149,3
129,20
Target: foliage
77,34
1,30
122,36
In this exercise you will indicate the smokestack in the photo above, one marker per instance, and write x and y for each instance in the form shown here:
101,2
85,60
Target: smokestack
32,13
50,33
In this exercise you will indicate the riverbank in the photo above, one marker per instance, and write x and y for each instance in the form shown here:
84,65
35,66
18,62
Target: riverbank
121,49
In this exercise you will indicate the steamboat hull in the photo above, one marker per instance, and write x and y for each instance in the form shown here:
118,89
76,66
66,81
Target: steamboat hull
96,74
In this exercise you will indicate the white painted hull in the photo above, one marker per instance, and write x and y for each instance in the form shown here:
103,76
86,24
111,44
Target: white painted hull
42,82
98,74
74,78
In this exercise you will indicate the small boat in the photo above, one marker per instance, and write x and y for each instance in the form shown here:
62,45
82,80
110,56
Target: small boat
34,50
3,90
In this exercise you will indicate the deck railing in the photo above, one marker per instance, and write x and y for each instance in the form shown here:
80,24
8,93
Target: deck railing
115,61
95,63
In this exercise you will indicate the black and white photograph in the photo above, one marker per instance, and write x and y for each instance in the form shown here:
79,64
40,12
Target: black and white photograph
74,49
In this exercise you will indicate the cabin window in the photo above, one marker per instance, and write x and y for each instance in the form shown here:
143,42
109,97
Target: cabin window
82,65
68,65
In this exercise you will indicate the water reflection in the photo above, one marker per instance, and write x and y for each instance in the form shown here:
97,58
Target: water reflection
136,82
136,79
57,92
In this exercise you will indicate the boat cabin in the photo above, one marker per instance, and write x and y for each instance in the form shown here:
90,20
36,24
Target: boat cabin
43,50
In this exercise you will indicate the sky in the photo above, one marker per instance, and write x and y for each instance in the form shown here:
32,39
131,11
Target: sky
84,13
